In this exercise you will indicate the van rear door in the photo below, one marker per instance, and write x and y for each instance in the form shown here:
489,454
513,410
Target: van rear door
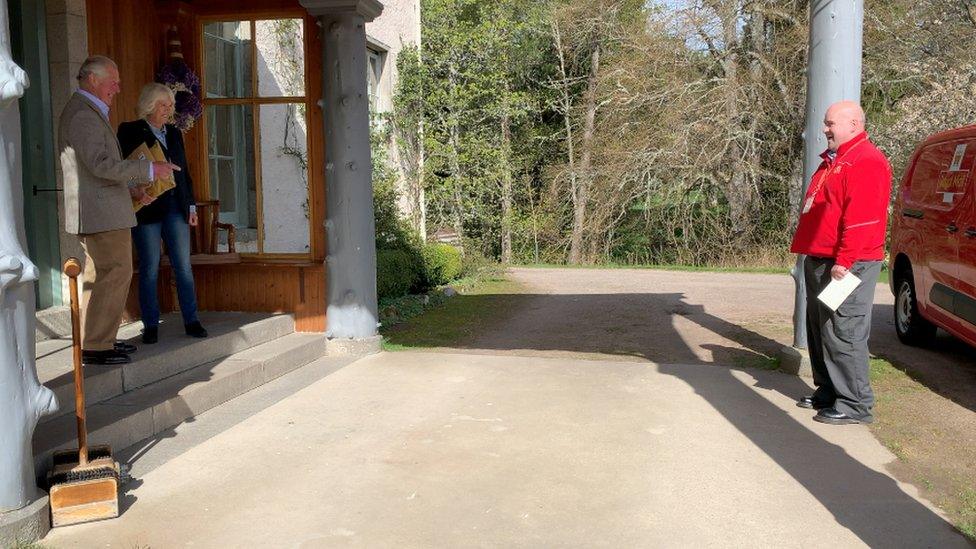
933,206
966,300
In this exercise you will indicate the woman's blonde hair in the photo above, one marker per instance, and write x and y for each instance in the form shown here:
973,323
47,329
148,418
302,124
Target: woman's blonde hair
150,95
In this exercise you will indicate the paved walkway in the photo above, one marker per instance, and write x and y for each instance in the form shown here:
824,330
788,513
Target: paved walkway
536,438
461,450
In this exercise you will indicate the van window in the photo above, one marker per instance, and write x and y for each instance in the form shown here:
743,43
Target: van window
941,175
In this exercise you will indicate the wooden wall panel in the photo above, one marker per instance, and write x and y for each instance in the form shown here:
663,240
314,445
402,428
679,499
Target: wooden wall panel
246,8
296,289
316,150
130,32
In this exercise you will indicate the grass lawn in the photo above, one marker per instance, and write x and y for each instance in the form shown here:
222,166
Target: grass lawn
458,319
925,431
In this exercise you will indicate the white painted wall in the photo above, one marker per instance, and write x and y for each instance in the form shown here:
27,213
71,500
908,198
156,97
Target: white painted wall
284,134
398,25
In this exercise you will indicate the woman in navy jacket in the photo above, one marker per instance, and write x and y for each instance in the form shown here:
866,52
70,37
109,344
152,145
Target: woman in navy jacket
168,218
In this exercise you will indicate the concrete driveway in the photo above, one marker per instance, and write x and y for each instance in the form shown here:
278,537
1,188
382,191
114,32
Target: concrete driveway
543,435
462,450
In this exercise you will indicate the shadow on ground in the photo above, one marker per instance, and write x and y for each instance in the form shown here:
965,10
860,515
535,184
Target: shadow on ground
666,329
947,366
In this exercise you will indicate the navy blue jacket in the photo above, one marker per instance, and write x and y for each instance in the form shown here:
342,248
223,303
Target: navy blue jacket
131,135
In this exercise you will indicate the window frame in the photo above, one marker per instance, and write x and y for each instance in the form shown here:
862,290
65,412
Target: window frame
377,74
255,101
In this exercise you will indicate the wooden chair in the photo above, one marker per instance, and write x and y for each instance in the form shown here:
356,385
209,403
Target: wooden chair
205,234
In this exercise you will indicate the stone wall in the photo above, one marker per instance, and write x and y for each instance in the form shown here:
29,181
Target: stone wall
67,43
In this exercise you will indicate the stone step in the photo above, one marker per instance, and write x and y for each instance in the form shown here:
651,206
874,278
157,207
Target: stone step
53,323
141,413
176,352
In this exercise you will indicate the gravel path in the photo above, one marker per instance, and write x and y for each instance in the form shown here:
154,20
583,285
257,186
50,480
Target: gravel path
735,319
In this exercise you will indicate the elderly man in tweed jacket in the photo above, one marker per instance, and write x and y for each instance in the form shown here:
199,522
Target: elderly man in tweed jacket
98,190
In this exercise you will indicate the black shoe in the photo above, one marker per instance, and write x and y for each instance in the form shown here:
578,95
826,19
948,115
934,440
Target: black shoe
194,329
124,347
150,335
831,416
811,403
108,358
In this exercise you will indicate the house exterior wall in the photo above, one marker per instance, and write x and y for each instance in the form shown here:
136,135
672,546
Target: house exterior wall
284,138
396,27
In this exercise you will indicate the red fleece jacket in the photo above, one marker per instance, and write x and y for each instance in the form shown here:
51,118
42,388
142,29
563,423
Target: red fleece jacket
846,207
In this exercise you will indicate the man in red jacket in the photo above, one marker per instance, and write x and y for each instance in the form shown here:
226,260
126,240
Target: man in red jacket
842,229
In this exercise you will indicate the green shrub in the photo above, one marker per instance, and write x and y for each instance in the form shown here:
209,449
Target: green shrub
397,273
442,263
473,263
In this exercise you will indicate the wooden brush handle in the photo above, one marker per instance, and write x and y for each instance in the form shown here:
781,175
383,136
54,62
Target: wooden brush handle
72,269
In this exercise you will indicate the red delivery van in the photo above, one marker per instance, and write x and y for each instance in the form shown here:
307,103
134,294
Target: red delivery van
933,240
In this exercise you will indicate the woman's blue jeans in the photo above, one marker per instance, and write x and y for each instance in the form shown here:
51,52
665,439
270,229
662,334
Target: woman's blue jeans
175,232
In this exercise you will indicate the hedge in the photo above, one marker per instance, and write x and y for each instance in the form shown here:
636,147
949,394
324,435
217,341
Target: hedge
442,263
402,271
397,273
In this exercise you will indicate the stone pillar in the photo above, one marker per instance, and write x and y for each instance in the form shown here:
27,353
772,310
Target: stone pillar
67,48
23,400
350,227
833,74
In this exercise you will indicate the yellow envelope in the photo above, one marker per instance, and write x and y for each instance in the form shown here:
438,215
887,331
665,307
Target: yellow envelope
159,186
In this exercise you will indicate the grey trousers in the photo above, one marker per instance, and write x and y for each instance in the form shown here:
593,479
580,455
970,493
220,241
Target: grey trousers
838,340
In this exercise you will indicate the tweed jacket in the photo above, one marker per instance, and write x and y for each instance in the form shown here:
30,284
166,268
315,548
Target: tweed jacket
96,178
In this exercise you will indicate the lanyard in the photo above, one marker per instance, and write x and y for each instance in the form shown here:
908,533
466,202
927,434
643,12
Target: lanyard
831,167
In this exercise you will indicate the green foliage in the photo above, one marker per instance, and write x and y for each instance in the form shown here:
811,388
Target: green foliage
442,263
399,251
485,65
695,116
392,231
397,273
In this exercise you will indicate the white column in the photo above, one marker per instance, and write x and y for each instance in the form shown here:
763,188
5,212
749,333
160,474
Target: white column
23,400
350,226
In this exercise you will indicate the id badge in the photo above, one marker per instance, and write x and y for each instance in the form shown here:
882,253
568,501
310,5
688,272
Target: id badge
808,205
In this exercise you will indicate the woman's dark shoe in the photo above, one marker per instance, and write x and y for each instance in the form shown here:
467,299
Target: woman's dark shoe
108,357
124,347
194,329
150,335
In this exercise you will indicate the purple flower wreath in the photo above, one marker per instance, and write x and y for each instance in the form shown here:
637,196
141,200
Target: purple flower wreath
177,76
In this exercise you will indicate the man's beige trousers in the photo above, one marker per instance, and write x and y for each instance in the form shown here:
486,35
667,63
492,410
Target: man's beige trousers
108,272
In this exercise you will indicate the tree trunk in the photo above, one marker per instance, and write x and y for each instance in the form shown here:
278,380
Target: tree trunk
506,168
585,179
567,107
739,185
455,163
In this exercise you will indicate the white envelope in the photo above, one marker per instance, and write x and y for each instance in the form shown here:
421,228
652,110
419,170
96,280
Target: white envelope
837,291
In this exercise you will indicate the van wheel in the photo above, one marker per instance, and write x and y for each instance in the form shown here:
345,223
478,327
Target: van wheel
911,327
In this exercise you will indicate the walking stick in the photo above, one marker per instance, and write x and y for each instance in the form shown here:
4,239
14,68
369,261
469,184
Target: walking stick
84,482
72,269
